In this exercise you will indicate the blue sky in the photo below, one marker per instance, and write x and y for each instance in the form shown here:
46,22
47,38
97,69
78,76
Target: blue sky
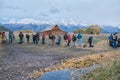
106,12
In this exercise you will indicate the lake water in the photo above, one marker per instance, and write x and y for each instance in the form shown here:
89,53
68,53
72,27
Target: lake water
69,74
56,75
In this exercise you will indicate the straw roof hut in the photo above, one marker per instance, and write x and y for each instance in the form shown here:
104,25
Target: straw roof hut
54,30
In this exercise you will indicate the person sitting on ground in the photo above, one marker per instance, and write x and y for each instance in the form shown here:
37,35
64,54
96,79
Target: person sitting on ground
79,37
21,37
59,40
27,38
65,39
69,40
74,38
90,40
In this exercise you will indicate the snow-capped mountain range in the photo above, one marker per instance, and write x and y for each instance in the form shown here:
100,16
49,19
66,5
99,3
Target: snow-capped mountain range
40,27
31,24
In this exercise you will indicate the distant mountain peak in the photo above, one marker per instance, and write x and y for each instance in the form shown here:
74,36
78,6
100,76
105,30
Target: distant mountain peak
84,23
72,22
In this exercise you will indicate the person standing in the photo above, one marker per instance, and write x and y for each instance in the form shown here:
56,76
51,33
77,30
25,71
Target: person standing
10,34
79,37
110,40
4,38
118,42
21,37
115,39
13,36
90,40
69,40
37,38
65,39
27,38
0,37
59,40
33,38
43,38
53,39
50,39
74,38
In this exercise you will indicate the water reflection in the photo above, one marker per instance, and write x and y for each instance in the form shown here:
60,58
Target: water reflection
56,75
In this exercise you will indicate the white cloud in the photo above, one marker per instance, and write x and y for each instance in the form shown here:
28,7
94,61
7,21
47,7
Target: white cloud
54,10
12,20
62,21
92,11
84,23
27,21
5,18
72,22
53,22
118,26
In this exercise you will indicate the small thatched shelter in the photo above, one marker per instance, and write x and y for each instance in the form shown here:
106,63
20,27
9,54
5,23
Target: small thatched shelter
54,30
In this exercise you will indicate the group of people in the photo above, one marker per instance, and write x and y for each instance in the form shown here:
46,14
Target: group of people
68,39
3,37
35,38
10,36
53,40
114,40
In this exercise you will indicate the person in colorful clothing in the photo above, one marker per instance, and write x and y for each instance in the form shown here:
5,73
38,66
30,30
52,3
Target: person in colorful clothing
79,37
43,38
69,40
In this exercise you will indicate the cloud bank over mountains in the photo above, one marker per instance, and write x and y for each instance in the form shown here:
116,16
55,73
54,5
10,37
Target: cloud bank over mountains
35,21
92,11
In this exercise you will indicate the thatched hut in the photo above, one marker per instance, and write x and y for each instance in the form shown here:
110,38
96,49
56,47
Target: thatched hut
54,30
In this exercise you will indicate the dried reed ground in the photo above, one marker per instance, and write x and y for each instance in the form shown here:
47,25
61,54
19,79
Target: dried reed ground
84,61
